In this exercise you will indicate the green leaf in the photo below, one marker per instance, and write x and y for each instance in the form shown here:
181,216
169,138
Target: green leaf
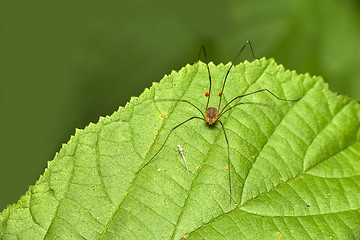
294,165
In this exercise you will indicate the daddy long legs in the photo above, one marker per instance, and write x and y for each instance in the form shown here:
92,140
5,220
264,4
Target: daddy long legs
213,114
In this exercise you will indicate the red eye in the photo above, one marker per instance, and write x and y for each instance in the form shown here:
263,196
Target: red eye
207,94
220,93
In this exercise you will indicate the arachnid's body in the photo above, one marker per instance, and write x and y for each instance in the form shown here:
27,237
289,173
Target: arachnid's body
211,115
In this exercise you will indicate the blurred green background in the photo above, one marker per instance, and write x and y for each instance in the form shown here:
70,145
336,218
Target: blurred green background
64,64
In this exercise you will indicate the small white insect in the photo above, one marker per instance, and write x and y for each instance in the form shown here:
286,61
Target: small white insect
181,151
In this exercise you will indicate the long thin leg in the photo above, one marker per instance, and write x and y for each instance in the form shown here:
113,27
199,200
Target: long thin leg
180,100
261,90
208,69
228,149
166,141
252,103
232,64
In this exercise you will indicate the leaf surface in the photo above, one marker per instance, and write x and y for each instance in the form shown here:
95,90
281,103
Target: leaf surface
294,165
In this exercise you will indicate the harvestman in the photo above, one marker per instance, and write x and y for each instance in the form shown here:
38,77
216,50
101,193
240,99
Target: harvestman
212,114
